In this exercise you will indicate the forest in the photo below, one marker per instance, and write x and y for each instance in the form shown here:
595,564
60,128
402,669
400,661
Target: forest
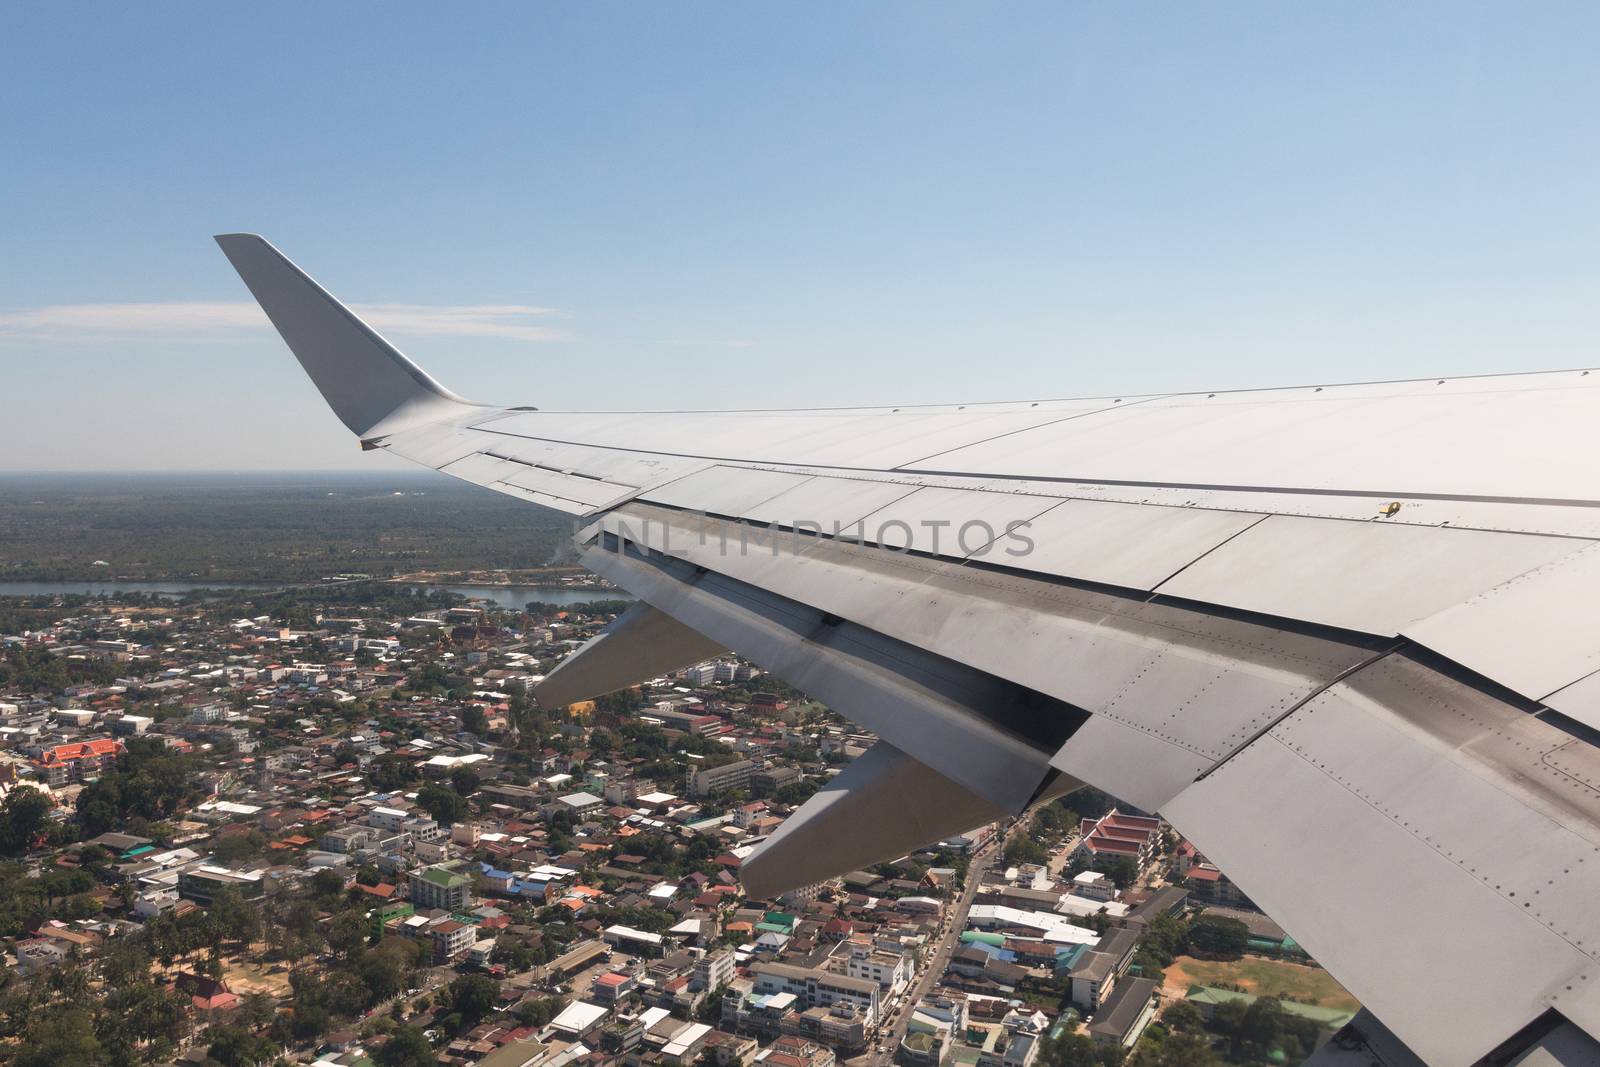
264,527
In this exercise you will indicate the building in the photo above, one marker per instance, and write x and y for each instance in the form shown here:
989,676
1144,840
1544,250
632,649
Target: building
451,939
203,883
130,725
579,1018
1208,885
40,953
1094,885
713,970
639,942
1090,980
1207,999
933,1026
387,818
774,778
354,840
1039,924
440,887
1023,1048
735,775
577,959
612,986
685,1045
79,761
796,1051
578,804
1126,1012
1168,900
1116,835
528,1053
818,988
1094,973
697,723
890,969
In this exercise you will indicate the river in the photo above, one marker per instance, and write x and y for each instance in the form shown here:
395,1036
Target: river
506,596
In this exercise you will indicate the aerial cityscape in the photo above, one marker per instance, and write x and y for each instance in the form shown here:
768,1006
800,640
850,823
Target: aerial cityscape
325,821
894,534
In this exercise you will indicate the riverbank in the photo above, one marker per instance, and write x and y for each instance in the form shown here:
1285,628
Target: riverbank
510,597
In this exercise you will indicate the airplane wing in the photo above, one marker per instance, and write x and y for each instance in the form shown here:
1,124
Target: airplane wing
1346,638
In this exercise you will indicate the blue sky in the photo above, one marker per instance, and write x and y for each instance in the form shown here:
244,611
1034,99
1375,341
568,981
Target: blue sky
606,205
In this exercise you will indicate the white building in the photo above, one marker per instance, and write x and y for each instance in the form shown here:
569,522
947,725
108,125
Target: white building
713,970
889,968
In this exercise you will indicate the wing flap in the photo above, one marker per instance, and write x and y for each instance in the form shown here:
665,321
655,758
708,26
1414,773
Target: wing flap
935,710
1176,673
638,645
885,804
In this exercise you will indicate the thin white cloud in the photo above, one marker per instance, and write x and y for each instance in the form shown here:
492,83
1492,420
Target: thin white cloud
735,343
216,320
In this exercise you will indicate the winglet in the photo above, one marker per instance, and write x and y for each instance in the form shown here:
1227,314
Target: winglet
370,385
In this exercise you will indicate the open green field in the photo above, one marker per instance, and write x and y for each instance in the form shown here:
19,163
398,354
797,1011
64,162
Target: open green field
1263,977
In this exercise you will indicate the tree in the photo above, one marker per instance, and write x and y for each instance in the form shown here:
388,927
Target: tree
386,969
234,1046
1178,1050
23,814
538,1013
125,960
235,919
144,1016
1075,1050
1024,849
464,781
1088,802
1261,1030
1218,937
61,1039
1123,871
406,1047
710,1010
471,997
151,783
391,773
239,846
1164,938
445,805
347,932
258,1009
1184,1016
474,721
1055,819
327,882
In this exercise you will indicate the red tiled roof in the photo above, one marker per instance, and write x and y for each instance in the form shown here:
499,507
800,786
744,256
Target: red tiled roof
76,750
1097,843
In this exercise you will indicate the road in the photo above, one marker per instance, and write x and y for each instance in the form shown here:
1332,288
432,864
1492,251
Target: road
955,918
1058,860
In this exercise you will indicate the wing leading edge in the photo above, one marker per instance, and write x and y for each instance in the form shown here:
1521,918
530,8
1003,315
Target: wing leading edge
1235,609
